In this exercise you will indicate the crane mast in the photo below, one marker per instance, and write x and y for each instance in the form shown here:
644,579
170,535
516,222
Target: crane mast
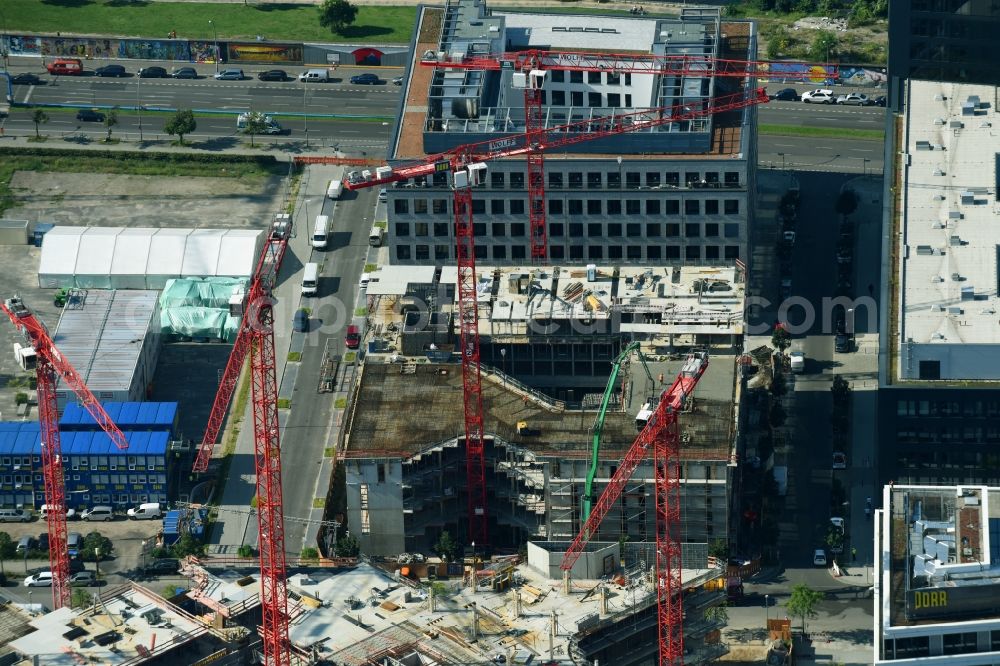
661,439
256,340
50,365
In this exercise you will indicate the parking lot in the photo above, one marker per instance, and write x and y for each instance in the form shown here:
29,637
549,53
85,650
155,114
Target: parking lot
126,536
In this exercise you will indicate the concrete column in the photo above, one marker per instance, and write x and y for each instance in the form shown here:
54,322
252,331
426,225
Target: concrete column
431,598
475,622
552,637
517,604
604,600
566,582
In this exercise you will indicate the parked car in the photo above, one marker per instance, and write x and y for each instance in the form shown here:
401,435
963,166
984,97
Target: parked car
353,338
185,73
102,513
819,96
855,99
44,513
74,542
154,72
819,557
110,70
40,579
786,95
43,541
839,460
398,81
229,75
365,79
90,116
14,515
797,361
25,80
26,543
273,75
83,579
300,321
162,566
837,523
880,100
383,195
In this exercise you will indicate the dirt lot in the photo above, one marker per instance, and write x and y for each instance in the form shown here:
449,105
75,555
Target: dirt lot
114,200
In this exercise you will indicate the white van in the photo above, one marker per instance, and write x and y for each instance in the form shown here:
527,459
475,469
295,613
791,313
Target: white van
375,237
310,279
102,513
14,516
335,189
314,76
148,511
70,513
320,230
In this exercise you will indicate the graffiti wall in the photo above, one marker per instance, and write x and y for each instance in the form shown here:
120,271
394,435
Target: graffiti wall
250,52
154,49
794,72
25,45
99,47
203,51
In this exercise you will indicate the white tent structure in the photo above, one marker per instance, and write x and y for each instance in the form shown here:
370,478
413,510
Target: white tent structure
144,258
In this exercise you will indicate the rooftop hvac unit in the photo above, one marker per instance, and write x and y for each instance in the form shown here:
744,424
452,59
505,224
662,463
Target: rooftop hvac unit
924,250
938,225
955,311
936,279
939,97
939,121
954,215
956,277
937,307
924,145
956,124
938,172
955,241
968,198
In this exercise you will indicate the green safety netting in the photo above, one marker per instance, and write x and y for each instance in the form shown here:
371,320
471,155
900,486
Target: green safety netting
199,308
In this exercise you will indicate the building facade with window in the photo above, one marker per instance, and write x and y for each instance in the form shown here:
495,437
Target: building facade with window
939,398
944,40
679,193
96,471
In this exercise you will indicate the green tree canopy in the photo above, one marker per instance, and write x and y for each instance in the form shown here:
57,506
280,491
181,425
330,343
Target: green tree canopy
347,546
39,117
781,339
95,541
181,123
824,46
8,548
110,120
187,545
447,547
802,603
256,124
337,15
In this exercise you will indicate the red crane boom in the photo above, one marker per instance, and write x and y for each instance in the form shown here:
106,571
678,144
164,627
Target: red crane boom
531,66
632,63
662,437
266,272
50,366
467,171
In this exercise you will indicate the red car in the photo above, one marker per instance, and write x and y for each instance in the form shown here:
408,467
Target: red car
353,337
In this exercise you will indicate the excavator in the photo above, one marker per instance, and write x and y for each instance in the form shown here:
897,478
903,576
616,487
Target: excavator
616,365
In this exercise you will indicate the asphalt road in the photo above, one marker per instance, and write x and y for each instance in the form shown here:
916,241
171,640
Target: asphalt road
804,153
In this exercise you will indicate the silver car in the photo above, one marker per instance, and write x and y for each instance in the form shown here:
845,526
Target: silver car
855,99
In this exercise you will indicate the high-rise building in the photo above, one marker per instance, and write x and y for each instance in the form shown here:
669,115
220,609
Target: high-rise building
944,40
939,398
679,193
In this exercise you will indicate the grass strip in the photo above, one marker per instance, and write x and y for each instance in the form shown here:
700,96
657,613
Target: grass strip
827,132
295,23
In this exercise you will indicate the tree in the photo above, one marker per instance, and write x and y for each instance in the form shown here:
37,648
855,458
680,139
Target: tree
95,541
8,548
781,339
110,120
834,539
777,43
824,46
717,614
309,554
337,15
39,117
802,603
256,124
347,546
447,547
80,598
847,202
181,123
841,391
187,545
719,548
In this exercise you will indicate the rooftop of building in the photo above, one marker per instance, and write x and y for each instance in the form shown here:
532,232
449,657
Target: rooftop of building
126,415
949,236
25,438
130,625
944,555
388,390
467,27
367,613
681,300
102,334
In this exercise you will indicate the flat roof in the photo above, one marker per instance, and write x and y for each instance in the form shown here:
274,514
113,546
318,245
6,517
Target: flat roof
388,390
944,566
636,34
132,624
948,245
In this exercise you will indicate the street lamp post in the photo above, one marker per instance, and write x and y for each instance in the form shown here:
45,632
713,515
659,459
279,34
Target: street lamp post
767,611
97,565
305,113
503,356
143,552
306,202
782,156
474,586
216,33
138,104
864,166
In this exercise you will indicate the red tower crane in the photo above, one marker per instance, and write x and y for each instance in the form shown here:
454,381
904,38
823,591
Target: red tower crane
467,166
50,365
530,67
256,339
660,437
